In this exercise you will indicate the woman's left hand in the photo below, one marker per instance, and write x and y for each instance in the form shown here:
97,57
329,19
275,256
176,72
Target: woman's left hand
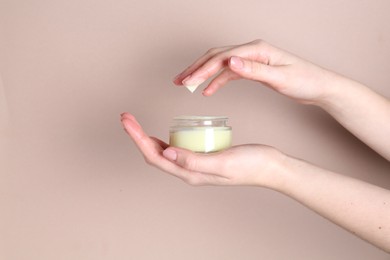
240,165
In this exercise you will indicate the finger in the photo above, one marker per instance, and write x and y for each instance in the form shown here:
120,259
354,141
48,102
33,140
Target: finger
207,70
149,147
163,144
201,169
199,62
127,115
152,151
218,82
196,162
143,142
218,62
253,70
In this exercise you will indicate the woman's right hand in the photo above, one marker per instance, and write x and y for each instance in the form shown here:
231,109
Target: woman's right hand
262,62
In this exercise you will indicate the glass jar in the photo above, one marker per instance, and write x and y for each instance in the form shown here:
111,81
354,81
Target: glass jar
202,134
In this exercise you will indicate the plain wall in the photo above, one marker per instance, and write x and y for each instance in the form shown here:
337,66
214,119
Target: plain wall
74,186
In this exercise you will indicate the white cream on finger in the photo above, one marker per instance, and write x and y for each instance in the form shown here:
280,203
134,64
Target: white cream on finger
192,88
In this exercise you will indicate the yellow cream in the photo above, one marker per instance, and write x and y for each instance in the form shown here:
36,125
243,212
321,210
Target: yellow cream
204,140
201,134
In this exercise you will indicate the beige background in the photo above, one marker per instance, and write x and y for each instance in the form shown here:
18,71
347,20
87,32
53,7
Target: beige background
72,184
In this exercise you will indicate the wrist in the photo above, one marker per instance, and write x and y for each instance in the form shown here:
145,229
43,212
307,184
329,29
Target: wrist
336,89
330,87
287,171
277,172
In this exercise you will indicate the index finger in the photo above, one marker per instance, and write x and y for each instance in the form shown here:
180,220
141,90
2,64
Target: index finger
216,63
199,62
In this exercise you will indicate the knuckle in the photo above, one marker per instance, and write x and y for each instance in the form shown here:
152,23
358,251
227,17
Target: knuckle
212,51
192,181
220,57
260,44
258,41
254,68
150,159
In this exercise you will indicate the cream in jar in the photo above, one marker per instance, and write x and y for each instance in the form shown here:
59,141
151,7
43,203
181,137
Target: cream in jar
203,134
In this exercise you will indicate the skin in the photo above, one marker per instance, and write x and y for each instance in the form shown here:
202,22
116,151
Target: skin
357,206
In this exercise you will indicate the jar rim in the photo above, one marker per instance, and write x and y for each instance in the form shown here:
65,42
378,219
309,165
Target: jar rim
186,117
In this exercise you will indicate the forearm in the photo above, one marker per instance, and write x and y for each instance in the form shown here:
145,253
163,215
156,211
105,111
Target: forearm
363,112
359,207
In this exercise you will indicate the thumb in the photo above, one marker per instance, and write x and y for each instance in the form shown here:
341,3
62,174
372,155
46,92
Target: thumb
197,162
257,71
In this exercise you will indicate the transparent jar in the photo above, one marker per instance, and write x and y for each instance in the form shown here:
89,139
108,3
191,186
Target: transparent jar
202,134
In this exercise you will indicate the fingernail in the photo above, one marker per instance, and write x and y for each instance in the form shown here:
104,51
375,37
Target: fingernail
170,154
127,116
176,77
236,63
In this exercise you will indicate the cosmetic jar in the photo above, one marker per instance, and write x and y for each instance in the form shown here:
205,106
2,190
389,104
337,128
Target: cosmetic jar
202,134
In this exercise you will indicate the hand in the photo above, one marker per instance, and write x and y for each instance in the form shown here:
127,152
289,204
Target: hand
329,194
260,61
239,165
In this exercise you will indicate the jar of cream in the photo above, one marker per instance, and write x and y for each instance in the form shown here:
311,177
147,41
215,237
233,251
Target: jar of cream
202,134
